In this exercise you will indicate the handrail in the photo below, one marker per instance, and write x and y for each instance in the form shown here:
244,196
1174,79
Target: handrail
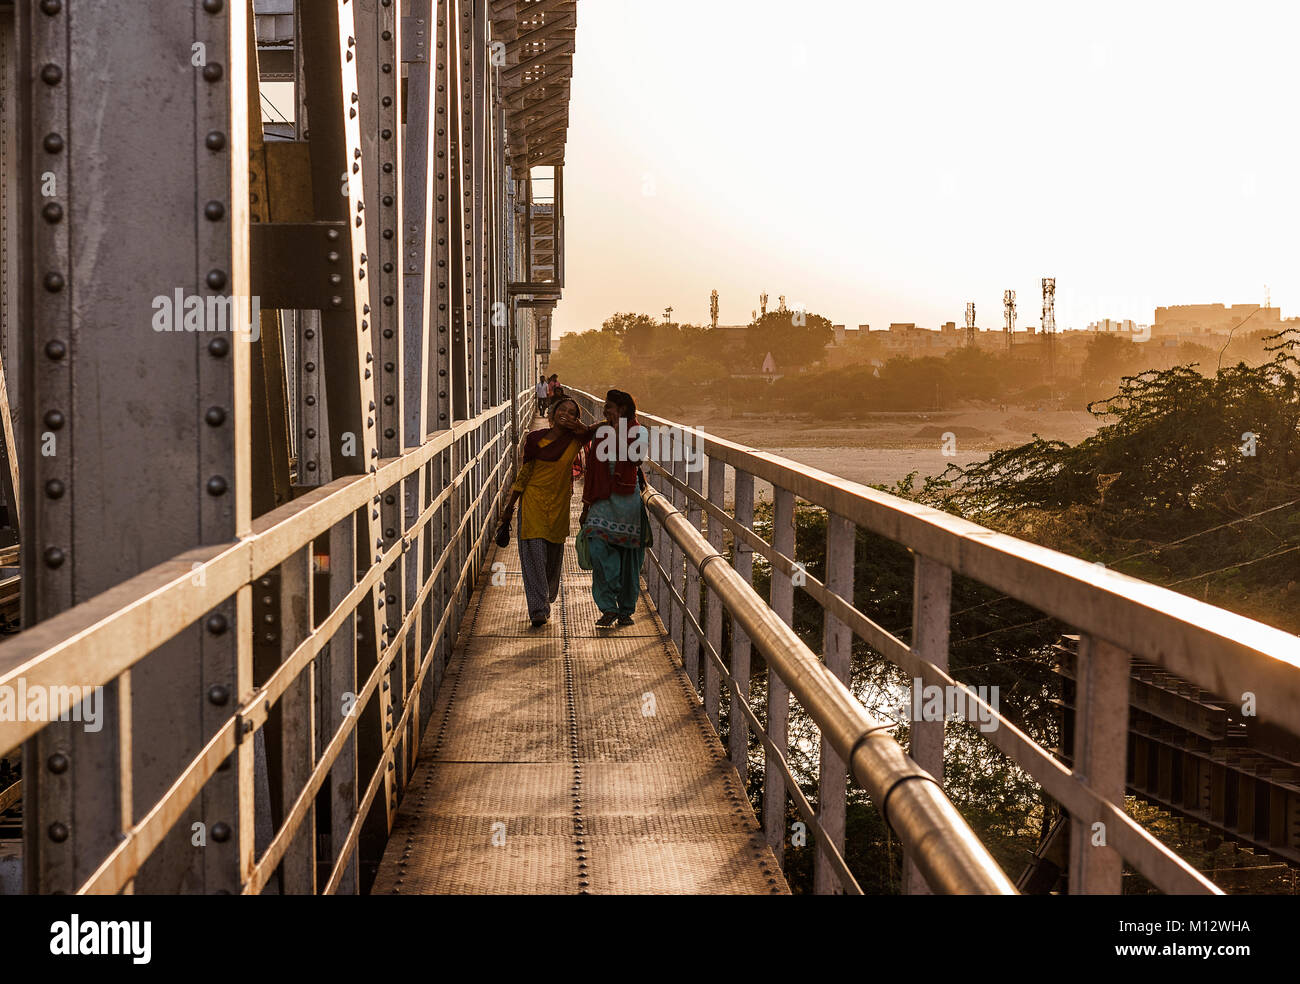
944,847
102,639
1115,615
1149,621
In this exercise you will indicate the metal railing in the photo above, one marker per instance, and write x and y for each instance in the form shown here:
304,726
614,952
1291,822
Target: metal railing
1116,616
372,696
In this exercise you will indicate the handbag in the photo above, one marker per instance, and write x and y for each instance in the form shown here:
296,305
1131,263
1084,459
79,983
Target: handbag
503,532
583,549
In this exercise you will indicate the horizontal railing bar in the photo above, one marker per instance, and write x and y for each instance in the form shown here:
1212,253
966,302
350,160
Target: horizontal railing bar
944,847
96,641
870,631
1166,870
289,828
122,863
1146,620
354,831
823,840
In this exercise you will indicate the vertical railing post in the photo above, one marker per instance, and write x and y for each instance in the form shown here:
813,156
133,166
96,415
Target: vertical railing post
837,648
694,481
297,722
339,693
1100,761
931,608
778,694
663,552
648,565
742,559
713,626
678,468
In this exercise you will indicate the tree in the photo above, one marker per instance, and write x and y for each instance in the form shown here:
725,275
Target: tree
637,331
592,360
793,344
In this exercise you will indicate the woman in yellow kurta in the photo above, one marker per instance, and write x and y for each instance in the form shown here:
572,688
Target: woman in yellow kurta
545,486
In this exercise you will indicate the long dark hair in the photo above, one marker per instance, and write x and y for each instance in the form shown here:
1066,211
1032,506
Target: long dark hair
626,405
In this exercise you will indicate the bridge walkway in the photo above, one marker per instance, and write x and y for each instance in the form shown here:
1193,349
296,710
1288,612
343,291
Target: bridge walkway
570,760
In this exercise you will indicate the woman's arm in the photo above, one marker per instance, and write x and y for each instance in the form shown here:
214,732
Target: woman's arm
517,490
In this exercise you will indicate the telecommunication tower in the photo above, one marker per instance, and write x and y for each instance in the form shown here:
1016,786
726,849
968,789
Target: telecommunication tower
970,324
1009,312
713,308
762,303
1049,323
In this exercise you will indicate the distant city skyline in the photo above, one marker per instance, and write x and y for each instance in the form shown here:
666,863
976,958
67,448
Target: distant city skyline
941,154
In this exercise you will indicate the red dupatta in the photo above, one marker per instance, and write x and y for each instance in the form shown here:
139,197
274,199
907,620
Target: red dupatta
605,477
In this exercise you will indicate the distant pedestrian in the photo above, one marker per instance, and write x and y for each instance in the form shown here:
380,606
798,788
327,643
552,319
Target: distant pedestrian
550,390
541,393
613,517
545,488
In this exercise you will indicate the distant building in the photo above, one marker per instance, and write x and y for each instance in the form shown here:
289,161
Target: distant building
769,365
1110,325
1190,321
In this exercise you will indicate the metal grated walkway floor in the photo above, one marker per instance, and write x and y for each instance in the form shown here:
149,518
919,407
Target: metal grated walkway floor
563,761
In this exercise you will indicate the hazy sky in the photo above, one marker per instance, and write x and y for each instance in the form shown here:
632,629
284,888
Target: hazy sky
883,162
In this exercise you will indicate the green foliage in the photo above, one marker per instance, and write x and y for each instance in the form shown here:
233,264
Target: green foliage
592,358
794,338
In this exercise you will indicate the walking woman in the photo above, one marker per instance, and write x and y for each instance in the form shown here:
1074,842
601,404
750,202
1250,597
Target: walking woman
545,486
612,514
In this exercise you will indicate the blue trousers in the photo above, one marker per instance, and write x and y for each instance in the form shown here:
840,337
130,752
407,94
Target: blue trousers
615,576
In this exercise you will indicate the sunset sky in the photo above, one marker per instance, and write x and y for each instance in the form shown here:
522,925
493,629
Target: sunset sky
883,162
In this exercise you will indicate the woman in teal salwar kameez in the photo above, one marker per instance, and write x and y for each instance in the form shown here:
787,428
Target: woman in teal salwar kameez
612,511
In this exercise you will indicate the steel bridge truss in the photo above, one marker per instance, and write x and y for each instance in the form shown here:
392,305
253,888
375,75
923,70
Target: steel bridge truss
271,374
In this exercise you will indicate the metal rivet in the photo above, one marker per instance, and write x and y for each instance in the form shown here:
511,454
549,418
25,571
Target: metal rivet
58,832
216,623
215,140
54,419
215,416
58,763
214,211
53,557
53,143
216,279
219,694
221,831
54,488
52,212
53,282
51,74
212,6
51,7
55,349
212,72
219,347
